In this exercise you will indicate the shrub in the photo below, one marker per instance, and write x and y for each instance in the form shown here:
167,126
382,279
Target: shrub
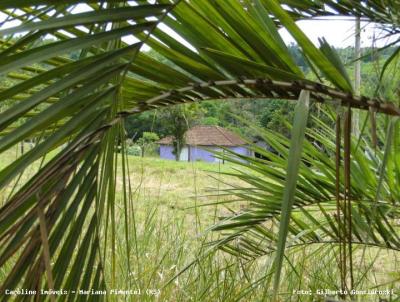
134,150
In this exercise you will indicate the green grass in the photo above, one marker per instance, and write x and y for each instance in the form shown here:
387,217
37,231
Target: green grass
167,233
170,233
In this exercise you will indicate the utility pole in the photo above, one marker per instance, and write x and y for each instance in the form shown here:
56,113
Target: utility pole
357,74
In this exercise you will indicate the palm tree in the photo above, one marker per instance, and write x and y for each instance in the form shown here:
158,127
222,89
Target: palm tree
74,78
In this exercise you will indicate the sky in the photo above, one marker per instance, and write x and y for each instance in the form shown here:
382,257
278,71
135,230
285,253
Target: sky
339,32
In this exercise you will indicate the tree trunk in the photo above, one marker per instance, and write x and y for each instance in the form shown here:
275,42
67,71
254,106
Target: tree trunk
177,151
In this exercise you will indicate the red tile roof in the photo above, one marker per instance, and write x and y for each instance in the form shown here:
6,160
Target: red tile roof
207,136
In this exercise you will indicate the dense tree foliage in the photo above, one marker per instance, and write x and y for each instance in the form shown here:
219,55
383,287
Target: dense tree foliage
266,113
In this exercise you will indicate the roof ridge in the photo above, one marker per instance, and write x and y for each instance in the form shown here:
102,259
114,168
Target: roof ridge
222,132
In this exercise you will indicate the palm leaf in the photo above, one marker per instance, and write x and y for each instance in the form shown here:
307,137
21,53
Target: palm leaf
71,187
296,144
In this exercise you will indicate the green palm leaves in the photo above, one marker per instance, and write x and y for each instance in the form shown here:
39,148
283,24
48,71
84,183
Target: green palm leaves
68,105
308,217
292,173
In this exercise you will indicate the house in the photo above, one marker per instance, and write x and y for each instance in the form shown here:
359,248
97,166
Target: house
200,140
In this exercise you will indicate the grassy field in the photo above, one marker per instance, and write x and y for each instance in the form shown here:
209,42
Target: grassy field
167,232
171,228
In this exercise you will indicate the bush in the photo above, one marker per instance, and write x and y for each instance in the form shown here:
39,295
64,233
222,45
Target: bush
147,141
134,150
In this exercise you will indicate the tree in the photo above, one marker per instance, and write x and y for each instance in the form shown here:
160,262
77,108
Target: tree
148,121
272,114
210,121
177,120
147,140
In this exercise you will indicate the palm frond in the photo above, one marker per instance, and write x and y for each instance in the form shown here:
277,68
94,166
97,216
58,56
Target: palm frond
252,233
67,103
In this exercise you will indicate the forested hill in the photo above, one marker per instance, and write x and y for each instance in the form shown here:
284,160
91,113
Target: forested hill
267,113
